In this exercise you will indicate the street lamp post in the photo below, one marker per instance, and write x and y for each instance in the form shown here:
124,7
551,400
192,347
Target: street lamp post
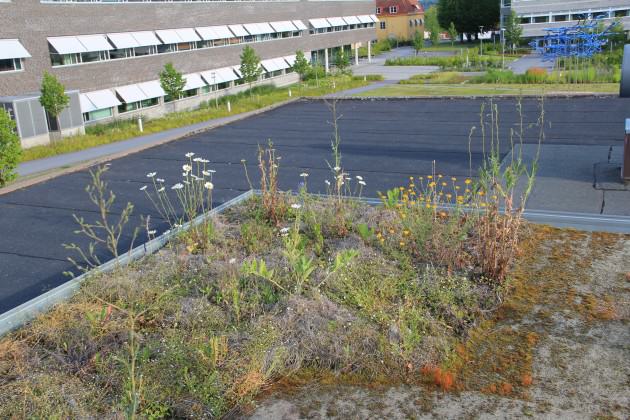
481,40
502,48
214,86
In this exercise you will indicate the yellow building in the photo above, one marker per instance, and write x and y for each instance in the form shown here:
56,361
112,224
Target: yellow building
399,19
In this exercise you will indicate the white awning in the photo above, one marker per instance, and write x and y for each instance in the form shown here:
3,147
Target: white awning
100,99
145,38
364,19
95,42
270,65
238,30
351,20
319,23
374,19
265,28
222,75
168,36
152,89
290,59
67,45
86,104
210,33
258,28
131,93
188,35
283,26
281,63
237,70
336,21
11,48
123,40
300,25
193,81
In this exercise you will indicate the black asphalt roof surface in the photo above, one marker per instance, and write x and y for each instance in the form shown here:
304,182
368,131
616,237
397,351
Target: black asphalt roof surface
384,141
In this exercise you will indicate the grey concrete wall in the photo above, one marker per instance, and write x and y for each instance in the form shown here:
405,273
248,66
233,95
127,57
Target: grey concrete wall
32,22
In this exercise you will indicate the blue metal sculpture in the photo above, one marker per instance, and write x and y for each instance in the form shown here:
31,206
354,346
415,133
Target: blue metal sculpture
582,40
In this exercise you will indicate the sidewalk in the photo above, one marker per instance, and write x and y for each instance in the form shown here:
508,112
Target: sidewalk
132,145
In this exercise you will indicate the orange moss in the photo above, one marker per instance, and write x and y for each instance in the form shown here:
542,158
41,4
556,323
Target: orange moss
527,380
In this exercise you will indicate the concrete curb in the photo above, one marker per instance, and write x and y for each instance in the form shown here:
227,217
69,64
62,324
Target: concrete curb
36,179
500,96
20,315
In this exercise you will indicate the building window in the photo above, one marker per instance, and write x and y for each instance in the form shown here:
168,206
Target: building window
525,20
64,59
393,9
148,50
541,19
11,64
378,10
383,24
99,114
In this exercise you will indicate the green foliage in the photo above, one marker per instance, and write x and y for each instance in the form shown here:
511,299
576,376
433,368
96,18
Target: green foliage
369,77
432,25
315,72
342,62
172,81
418,42
585,75
469,62
53,95
250,65
391,198
301,64
452,33
365,232
10,148
378,47
468,16
513,31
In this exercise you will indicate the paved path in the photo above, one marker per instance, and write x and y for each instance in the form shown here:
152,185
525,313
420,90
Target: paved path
525,63
385,141
69,159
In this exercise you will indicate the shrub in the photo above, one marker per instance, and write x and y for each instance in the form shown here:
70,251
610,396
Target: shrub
10,150
370,77
315,72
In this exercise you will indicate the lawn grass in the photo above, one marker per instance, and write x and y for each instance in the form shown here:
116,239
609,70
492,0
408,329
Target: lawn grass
488,89
125,129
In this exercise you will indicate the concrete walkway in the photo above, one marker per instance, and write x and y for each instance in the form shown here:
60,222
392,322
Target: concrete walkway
525,63
126,146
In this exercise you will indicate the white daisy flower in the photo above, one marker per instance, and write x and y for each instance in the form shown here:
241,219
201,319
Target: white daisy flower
151,174
205,173
327,182
144,187
161,189
337,168
208,185
232,261
152,232
296,206
284,230
187,168
197,159
212,171
159,179
189,154
177,186
359,177
362,183
303,174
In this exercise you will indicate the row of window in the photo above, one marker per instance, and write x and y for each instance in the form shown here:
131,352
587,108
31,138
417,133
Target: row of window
412,23
341,28
392,10
115,54
574,16
100,114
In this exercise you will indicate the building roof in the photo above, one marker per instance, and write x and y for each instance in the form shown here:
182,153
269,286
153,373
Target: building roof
405,7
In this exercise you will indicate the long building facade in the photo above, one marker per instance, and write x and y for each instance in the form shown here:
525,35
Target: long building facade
108,53
537,15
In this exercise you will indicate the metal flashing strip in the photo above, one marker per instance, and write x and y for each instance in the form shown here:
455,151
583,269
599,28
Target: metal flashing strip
20,315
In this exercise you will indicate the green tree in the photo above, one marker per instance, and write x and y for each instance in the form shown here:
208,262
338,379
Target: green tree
513,31
418,42
469,15
342,62
301,65
53,97
172,81
250,66
432,24
452,33
10,150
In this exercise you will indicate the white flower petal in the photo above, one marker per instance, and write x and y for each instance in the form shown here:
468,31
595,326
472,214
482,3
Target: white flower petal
144,187
296,206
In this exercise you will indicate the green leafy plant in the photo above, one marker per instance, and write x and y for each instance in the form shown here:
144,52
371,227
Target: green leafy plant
365,232
250,65
418,42
172,81
452,33
301,65
10,150
53,97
